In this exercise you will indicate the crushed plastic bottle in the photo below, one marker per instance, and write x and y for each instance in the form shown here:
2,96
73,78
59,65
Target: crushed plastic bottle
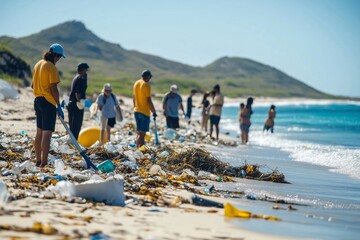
138,154
60,168
110,147
131,164
163,154
29,167
27,154
130,155
170,133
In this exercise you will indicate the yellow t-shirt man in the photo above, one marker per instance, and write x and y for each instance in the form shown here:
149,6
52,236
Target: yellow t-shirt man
45,73
142,91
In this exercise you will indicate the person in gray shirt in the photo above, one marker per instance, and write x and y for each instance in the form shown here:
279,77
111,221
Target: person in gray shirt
107,103
172,101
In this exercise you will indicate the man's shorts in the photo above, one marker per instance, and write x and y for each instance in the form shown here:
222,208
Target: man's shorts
214,119
172,122
45,114
245,127
107,122
142,122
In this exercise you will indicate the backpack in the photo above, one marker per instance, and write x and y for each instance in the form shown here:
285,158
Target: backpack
113,97
104,99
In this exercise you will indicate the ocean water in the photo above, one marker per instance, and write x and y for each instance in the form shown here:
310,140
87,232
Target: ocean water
317,146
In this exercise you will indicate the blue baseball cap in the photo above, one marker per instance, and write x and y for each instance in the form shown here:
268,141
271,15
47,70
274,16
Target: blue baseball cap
58,49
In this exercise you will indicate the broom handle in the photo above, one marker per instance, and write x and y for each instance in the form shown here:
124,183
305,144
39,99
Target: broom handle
75,142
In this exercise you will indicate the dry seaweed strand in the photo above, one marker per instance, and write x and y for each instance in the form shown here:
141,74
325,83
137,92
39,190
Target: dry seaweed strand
198,159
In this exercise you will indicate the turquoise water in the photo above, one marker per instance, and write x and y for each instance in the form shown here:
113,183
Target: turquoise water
321,134
317,146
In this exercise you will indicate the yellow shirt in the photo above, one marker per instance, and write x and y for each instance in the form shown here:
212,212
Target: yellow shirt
45,73
141,92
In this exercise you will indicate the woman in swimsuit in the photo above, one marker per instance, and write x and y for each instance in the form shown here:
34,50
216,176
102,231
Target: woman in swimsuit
245,122
269,123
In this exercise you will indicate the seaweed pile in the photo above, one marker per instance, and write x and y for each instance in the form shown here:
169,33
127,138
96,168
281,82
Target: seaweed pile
198,159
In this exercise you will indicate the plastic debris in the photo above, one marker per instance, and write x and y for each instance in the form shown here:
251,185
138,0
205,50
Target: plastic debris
170,133
106,166
199,201
111,192
60,168
231,211
156,170
4,194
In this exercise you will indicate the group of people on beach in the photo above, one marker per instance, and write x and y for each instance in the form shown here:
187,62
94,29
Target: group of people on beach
47,104
245,123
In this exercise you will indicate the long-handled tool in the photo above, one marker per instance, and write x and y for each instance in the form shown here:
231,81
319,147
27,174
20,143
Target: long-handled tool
76,144
156,133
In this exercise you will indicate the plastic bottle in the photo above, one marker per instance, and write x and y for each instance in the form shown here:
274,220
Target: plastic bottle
170,133
4,194
163,154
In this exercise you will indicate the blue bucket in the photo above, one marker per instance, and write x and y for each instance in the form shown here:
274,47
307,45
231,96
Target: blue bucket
87,103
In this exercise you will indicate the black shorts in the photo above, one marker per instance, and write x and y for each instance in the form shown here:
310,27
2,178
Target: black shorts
45,114
111,122
214,119
172,122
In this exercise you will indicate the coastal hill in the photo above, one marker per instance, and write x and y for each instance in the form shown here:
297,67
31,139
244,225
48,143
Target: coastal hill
109,62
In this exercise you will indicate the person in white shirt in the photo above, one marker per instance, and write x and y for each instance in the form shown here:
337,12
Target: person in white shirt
215,111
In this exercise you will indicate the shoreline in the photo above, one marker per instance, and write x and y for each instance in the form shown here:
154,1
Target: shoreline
80,220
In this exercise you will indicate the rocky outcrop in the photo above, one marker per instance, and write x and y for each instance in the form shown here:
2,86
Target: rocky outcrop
14,67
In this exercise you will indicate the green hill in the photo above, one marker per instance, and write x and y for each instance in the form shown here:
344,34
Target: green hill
110,62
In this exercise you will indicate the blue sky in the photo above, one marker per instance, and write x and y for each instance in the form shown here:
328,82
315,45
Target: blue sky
315,41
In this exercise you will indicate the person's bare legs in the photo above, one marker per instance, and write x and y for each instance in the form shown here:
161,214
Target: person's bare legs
45,146
140,141
243,137
104,125
38,140
206,122
217,131
108,131
211,130
246,137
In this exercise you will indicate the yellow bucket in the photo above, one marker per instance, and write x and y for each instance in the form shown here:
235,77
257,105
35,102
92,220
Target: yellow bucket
88,136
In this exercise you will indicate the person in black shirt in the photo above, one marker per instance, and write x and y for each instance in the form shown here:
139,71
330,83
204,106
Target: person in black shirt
77,96
189,106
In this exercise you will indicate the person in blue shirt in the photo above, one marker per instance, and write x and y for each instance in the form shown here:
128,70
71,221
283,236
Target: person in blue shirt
172,101
107,103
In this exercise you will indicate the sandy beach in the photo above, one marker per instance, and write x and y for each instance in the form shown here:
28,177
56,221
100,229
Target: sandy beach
28,215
